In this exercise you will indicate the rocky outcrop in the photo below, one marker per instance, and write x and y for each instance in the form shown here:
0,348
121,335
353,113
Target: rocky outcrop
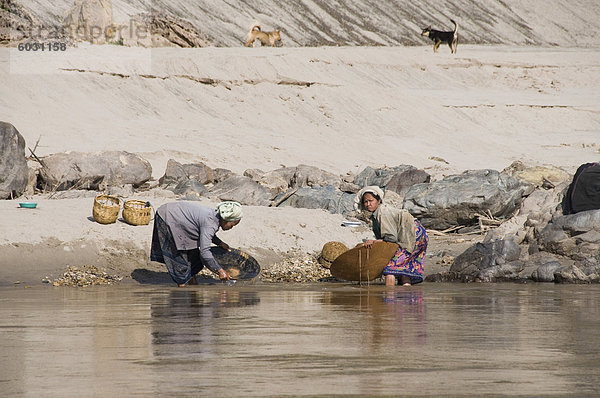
13,164
16,23
310,176
457,200
93,171
191,189
327,198
242,189
489,262
157,30
91,21
576,236
177,173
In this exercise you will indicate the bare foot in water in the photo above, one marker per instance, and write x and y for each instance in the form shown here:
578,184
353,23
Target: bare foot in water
405,280
390,280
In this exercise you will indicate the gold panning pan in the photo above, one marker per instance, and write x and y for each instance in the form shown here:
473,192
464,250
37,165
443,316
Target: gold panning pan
362,264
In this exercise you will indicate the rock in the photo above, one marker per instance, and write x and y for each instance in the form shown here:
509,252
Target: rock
199,172
545,272
533,216
349,187
456,200
579,222
242,189
485,255
160,30
449,276
174,174
592,236
222,174
275,182
555,240
503,272
310,176
543,176
16,23
380,176
177,173
403,180
122,191
93,171
91,21
14,172
571,274
191,190
326,198
255,174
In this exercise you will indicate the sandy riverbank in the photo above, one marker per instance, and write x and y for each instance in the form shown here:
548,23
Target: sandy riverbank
339,108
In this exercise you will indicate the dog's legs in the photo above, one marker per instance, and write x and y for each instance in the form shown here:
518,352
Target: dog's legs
435,46
451,45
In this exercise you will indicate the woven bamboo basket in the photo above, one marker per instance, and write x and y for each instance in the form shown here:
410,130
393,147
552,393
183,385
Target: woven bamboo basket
137,212
106,209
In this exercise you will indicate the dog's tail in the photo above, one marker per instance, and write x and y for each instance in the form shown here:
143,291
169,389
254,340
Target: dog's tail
256,26
455,26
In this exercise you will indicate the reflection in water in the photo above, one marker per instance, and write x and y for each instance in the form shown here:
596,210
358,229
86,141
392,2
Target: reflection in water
188,319
430,339
403,309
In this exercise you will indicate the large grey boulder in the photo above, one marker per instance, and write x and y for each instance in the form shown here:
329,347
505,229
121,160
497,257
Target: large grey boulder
242,189
576,236
380,176
481,256
177,173
458,199
402,181
326,198
545,272
583,272
191,189
310,176
93,171
277,181
13,164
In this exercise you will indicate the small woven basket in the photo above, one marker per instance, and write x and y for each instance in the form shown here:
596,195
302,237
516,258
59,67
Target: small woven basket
137,212
106,209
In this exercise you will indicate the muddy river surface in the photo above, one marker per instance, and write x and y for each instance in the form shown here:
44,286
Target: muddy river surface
291,340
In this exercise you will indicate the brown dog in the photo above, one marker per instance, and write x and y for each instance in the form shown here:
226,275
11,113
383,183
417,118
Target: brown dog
440,37
264,37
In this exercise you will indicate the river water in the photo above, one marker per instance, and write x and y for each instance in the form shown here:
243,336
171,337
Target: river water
300,340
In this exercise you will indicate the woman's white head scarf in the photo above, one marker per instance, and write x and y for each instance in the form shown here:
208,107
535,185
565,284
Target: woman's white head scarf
230,211
374,189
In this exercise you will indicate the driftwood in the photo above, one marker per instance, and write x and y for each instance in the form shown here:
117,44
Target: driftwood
485,222
279,201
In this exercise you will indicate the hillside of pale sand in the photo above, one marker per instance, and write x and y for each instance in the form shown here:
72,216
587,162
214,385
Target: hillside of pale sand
337,108
367,22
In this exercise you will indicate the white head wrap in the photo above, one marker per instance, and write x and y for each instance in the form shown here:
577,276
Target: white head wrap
374,189
230,211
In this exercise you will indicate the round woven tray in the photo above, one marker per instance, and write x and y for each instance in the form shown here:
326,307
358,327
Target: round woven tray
137,212
106,209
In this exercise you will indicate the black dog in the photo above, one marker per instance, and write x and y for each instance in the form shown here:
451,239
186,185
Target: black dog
439,37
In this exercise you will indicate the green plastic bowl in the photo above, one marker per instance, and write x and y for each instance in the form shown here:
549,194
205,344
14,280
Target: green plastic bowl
28,205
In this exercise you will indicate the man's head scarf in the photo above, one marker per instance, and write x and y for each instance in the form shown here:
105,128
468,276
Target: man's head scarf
230,211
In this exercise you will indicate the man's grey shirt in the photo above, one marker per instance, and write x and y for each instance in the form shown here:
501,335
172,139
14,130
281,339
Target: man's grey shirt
193,226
